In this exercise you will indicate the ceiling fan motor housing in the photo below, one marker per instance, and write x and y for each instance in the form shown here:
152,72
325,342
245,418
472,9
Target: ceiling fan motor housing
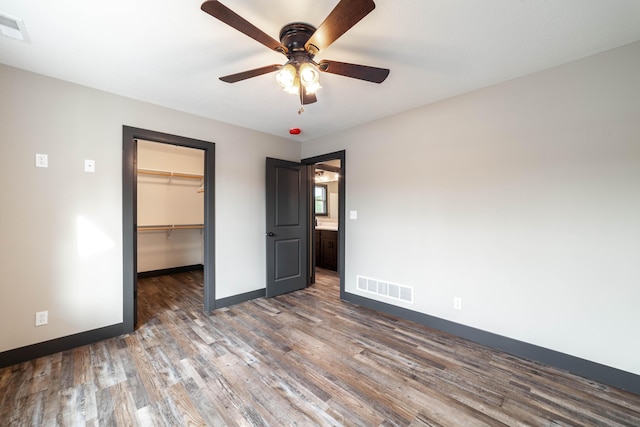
294,36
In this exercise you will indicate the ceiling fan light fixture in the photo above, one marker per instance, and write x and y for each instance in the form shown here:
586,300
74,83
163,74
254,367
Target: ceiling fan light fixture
312,88
293,90
309,75
294,76
286,77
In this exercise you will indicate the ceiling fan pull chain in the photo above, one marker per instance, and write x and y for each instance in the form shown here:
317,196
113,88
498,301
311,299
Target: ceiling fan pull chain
301,110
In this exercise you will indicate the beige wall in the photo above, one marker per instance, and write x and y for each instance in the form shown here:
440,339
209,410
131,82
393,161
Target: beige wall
523,199
47,261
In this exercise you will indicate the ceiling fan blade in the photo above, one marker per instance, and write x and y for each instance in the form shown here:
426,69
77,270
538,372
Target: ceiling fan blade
362,72
232,78
307,98
229,17
345,15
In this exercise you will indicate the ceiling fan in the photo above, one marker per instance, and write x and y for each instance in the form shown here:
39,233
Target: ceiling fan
300,42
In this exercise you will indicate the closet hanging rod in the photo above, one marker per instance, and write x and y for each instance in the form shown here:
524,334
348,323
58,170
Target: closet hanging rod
169,173
170,227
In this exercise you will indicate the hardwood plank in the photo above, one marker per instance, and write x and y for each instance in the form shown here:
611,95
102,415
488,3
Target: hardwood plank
70,402
183,408
303,358
145,369
208,404
107,411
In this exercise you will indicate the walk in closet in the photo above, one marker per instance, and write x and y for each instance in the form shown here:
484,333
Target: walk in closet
170,207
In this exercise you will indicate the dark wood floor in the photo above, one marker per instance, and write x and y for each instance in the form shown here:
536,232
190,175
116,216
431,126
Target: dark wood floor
301,359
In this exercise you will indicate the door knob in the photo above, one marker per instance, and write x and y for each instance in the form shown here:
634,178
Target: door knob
270,234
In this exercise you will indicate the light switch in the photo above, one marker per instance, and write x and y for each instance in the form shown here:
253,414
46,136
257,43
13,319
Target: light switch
90,166
42,161
353,214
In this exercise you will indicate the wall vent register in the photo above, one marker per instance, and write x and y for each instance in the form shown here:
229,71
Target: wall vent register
386,289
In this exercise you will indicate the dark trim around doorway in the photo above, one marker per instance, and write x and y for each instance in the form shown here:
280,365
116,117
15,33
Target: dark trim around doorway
130,136
342,220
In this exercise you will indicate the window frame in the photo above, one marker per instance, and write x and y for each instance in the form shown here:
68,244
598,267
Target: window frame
324,199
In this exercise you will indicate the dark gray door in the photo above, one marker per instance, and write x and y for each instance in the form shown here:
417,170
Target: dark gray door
286,232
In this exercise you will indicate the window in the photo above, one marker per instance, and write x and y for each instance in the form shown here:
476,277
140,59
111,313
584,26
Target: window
321,200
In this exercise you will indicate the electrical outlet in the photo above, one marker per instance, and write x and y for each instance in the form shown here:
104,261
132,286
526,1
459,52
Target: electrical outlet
457,303
42,318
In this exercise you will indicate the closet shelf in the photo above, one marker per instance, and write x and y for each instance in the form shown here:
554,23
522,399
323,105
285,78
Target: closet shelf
170,227
169,174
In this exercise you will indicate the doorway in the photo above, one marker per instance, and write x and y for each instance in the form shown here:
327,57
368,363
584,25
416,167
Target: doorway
130,212
170,207
332,221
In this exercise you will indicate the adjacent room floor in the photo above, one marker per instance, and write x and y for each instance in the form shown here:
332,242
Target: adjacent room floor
302,359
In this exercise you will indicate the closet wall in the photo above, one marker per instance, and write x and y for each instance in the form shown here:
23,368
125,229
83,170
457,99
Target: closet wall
170,208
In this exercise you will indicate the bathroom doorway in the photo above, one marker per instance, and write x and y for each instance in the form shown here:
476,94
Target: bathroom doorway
327,214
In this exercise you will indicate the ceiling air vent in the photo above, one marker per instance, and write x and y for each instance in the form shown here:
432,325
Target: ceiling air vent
12,27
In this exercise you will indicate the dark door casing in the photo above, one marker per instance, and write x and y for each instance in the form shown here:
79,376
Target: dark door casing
130,135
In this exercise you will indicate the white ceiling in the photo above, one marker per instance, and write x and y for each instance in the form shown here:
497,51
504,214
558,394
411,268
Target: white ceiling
171,53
